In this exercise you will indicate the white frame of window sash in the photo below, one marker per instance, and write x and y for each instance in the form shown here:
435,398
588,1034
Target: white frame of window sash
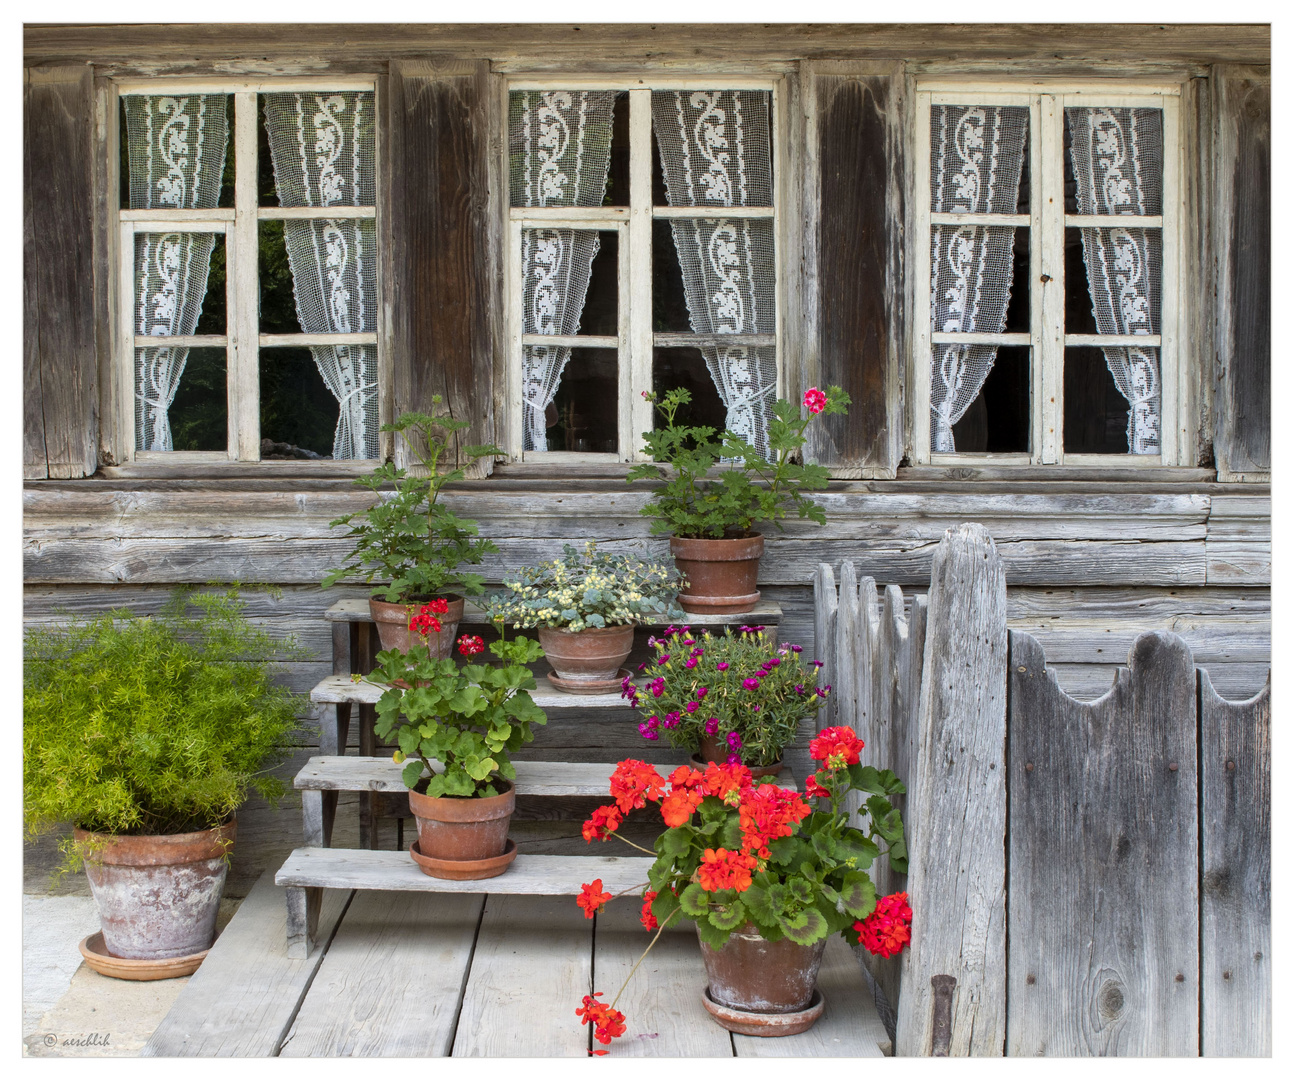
635,340
240,225
1047,222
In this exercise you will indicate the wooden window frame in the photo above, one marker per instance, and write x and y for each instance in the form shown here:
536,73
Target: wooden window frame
240,226
635,341
1047,222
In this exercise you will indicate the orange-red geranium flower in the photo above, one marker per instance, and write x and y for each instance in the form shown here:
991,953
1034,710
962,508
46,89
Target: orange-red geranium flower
634,782
727,781
724,869
887,929
608,1023
679,805
605,821
815,790
592,899
686,777
836,746
648,919
767,812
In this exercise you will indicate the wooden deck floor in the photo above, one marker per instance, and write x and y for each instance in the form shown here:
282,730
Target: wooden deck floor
473,975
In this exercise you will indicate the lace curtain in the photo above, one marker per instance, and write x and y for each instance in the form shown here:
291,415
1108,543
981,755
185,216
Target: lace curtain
1118,159
715,151
976,158
324,154
559,144
175,148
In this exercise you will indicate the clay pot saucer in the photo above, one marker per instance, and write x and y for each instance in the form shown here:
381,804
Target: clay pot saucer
763,1024
596,686
119,967
464,869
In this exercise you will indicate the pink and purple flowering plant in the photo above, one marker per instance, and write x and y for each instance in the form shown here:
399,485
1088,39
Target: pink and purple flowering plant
740,689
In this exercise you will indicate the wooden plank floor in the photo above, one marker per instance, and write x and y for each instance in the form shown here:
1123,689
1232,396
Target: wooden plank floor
425,974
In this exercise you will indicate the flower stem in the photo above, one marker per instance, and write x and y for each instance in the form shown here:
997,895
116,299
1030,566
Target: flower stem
659,930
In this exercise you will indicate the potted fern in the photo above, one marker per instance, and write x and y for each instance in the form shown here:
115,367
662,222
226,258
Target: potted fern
711,519
410,545
146,734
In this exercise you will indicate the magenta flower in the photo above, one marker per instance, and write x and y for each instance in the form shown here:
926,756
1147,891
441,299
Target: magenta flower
796,649
773,661
657,687
815,400
700,694
799,689
691,706
722,665
816,663
712,725
642,667
750,684
672,719
733,759
690,662
663,658
734,741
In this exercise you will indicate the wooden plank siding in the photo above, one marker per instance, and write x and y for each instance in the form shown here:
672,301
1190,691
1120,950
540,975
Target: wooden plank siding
1242,245
60,357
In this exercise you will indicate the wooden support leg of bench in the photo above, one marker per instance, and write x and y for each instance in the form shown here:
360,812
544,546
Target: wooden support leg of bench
303,920
317,814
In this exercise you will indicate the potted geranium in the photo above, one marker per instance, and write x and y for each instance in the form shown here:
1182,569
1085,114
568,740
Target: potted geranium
710,519
766,877
730,697
411,544
455,727
584,607
147,734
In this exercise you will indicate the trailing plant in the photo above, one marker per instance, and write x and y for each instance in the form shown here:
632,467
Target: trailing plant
738,853
468,718
589,590
692,503
136,726
739,689
410,543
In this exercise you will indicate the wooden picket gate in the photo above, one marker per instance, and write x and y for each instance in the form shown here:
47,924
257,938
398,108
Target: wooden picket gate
1086,878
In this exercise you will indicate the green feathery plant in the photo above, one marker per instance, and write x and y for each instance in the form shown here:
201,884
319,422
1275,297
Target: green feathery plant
137,726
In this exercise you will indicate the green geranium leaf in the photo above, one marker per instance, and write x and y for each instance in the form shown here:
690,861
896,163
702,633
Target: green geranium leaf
412,772
694,901
710,934
857,895
804,928
728,917
676,841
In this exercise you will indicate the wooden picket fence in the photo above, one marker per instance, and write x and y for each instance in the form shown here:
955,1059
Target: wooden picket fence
1086,878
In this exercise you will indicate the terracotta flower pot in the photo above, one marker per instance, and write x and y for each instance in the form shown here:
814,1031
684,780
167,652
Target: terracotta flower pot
158,896
460,831
712,751
587,661
722,574
754,975
393,625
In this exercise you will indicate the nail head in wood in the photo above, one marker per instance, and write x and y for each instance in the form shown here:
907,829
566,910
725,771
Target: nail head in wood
1028,766
1172,766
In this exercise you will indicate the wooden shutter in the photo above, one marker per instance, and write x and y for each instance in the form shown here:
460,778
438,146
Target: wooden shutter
853,291
60,364
443,241
1242,239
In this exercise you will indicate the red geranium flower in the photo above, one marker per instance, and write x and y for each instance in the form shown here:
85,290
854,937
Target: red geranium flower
471,644
815,790
836,746
815,400
605,821
634,782
439,606
648,919
726,782
766,813
592,899
679,805
724,869
887,929
608,1023
425,622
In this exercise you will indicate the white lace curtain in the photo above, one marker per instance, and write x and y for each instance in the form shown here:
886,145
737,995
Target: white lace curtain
1118,159
715,151
559,144
976,157
324,154
175,148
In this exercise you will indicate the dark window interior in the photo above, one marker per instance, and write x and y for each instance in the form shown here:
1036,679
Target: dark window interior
618,174
298,412
1096,414
685,368
212,320
997,421
601,302
668,300
583,416
199,415
1017,309
278,301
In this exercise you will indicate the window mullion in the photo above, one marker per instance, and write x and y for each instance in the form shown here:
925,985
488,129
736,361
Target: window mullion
1049,200
243,321
636,368
921,346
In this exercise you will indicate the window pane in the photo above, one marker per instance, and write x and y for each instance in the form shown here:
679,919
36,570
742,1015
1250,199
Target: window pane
176,152
979,278
977,155
1017,308
668,298
685,368
1112,398
298,412
181,401
556,265
317,148
713,147
1114,160
1113,281
278,304
179,283
583,416
318,276
996,420
559,147
602,302
617,193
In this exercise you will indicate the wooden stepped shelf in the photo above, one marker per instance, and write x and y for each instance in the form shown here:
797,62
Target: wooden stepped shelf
552,778
765,613
341,690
